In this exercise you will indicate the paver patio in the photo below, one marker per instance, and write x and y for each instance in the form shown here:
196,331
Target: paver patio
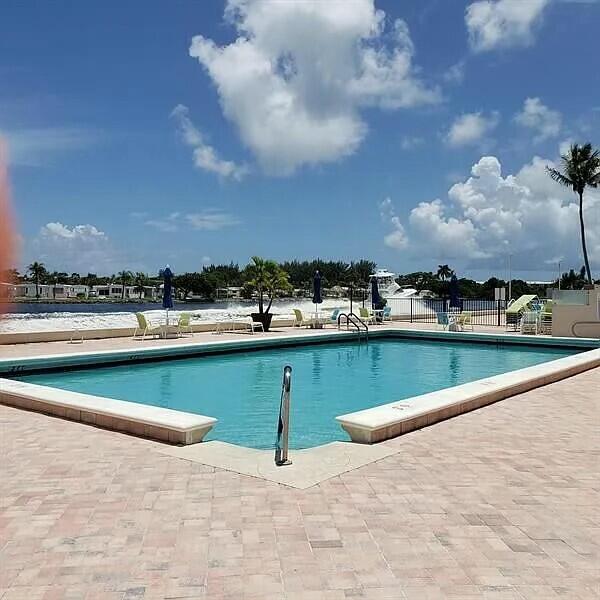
502,502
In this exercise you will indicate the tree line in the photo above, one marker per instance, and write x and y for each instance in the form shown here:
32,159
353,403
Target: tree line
207,282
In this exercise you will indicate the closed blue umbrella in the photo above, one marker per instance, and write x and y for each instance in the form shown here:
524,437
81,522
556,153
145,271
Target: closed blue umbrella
317,299
454,293
375,296
167,300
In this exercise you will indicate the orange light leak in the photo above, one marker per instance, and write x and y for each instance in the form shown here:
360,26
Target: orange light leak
6,224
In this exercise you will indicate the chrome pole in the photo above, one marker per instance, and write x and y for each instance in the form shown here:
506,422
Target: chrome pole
283,427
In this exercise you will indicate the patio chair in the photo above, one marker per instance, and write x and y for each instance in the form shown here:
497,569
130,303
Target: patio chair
366,315
464,320
300,321
333,317
546,318
387,313
442,320
530,322
144,327
184,324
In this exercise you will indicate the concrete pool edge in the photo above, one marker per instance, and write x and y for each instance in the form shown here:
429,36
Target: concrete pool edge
390,420
153,422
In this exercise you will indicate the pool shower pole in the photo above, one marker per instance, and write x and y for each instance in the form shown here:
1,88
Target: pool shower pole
283,426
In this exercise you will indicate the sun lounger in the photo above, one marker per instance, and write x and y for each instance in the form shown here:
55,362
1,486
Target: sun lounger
515,310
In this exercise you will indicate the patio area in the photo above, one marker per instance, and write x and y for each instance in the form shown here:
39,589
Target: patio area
498,503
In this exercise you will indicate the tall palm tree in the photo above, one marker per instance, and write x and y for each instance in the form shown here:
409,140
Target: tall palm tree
580,169
444,272
124,278
38,272
140,281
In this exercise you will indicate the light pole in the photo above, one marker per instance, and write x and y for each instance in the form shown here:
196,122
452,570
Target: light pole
559,275
509,278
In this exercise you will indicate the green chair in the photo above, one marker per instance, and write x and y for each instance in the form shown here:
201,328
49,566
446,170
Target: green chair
366,315
300,321
184,324
516,309
144,328
465,320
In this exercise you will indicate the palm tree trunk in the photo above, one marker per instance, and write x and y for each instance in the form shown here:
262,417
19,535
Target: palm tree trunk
583,244
37,288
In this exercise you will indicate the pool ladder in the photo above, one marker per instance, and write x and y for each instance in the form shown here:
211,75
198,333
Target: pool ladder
354,320
283,424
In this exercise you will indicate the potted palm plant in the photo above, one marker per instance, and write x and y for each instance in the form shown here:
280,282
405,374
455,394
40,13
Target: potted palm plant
268,279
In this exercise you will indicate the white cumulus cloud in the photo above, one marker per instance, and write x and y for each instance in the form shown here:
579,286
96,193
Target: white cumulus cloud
297,76
81,248
397,237
489,215
493,24
471,128
205,156
545,122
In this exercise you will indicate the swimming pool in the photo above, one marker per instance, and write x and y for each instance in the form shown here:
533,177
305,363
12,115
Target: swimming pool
242,389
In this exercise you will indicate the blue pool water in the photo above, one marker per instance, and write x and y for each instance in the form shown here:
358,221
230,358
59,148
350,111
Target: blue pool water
242,390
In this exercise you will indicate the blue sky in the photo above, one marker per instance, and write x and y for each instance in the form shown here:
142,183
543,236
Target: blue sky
412,132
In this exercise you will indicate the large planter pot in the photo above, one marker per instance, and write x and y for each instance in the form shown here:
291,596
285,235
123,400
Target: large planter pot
264,318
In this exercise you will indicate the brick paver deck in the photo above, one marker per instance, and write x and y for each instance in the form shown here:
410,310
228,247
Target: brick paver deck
500,503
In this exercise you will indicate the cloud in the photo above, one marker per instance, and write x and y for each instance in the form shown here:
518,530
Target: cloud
493,24
471,128
81,248
397,238
211,220
168,224
408,142
297,77
540,119
455,73
489,215
205,156
36,147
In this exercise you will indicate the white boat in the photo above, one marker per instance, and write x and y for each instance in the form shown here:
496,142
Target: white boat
388,288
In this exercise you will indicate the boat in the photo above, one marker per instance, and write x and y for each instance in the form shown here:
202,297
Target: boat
388,288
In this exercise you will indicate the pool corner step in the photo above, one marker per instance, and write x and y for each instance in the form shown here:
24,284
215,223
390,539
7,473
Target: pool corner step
153,422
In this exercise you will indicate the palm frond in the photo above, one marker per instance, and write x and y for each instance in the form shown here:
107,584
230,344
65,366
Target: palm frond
559,177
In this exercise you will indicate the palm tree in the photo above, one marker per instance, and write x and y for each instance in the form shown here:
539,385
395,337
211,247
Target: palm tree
268,278
580,169
124,278
444,272
140,281
37,270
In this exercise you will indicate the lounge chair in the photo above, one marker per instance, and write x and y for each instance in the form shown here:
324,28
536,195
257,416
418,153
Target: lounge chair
530,322
184,324
300,321
464,320
366,315
546,318
516,308
144,327
387,313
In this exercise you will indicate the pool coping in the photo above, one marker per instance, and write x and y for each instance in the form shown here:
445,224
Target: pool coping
390,420
367,426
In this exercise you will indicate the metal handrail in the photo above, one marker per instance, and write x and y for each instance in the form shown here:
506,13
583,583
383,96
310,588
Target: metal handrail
355,320
283,424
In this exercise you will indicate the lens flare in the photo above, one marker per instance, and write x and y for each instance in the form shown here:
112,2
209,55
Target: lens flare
6,224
